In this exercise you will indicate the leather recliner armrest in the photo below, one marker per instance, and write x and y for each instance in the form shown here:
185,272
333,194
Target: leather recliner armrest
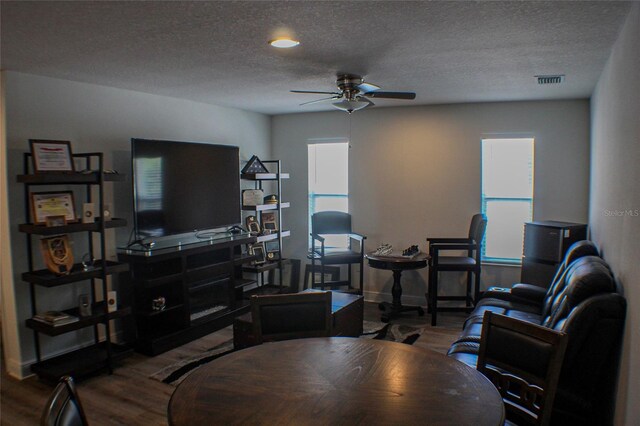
501,293
521,293
529,292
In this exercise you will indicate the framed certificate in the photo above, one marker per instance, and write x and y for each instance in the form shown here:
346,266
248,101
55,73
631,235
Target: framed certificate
51,156
46,204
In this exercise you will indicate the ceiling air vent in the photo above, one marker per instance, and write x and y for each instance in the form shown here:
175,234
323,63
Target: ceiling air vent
550,79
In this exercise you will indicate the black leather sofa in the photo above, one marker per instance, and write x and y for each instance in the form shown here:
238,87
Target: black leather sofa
583,301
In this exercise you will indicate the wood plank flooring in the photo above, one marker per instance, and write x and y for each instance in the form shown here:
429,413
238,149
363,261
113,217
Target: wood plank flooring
129,397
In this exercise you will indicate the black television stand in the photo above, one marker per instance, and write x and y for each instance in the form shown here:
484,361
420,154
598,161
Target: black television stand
185,288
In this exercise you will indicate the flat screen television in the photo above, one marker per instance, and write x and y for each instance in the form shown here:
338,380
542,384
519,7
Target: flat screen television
181,187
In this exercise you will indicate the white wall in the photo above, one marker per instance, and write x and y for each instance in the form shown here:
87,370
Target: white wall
415,172
614,210
97,118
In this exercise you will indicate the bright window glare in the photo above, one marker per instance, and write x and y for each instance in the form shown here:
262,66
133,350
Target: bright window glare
328,168
505,228
507,168
507,195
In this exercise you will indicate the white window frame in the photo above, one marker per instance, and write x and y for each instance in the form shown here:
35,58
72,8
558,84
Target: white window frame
313,197
484,199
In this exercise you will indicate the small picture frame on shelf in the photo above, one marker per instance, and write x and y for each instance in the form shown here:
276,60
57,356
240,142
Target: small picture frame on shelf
57,220
258,250
46,204
269,221
273,253
51,156
252,197
252,224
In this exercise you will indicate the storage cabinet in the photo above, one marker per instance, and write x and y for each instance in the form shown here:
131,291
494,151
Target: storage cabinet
545,243
43,283
185,290
272,181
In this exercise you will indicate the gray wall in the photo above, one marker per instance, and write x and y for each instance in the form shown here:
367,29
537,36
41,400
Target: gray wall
614,210
415,172
97,118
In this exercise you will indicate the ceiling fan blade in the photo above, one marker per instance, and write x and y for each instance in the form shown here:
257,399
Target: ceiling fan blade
314,92
321,100
391,95
367,87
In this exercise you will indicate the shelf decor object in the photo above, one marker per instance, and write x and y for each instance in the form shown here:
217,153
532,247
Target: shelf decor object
252,197
57,254
254,165
51,156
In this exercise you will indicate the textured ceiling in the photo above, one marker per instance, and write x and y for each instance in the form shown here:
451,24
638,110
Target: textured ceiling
217,52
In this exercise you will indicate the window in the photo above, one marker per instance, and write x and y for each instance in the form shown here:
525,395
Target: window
507,196
328,181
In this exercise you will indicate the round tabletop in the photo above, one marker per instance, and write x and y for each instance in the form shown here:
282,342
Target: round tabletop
336,380
397,262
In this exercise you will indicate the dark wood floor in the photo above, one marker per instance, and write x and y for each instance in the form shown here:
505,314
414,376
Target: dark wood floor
129,397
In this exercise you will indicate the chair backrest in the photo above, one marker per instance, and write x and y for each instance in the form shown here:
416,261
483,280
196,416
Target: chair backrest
63,407
523,360
477,227
576,251
291,316
330,222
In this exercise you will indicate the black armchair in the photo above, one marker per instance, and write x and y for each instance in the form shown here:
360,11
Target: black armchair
63,407
335,223
469,263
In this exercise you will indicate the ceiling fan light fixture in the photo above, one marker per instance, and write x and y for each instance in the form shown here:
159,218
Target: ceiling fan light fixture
350,105
284,43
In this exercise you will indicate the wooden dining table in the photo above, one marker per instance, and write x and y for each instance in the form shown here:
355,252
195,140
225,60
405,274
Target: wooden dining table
333,381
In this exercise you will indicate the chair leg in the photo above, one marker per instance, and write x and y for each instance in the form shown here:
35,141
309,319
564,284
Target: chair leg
433,292
313,273
468,298
322,275
477,288
361,277
349,286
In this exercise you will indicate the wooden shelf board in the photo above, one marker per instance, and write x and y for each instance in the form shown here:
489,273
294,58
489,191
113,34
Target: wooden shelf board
46,278
263,176
81,362
95,318
243,282
263,207
271,237
268,289
30,228
69,178
150,314
264,267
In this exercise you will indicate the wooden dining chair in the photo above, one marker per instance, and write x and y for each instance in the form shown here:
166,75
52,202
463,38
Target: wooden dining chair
63,407
469,262
336,223
523,361
291,316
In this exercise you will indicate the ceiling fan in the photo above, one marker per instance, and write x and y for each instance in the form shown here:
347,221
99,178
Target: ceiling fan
354,93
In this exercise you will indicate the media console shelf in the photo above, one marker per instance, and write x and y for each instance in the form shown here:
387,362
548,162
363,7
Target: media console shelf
186,290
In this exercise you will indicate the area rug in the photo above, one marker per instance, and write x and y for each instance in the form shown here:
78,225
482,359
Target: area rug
175,373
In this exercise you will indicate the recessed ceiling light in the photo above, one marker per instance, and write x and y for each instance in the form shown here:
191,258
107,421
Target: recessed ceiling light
284,43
